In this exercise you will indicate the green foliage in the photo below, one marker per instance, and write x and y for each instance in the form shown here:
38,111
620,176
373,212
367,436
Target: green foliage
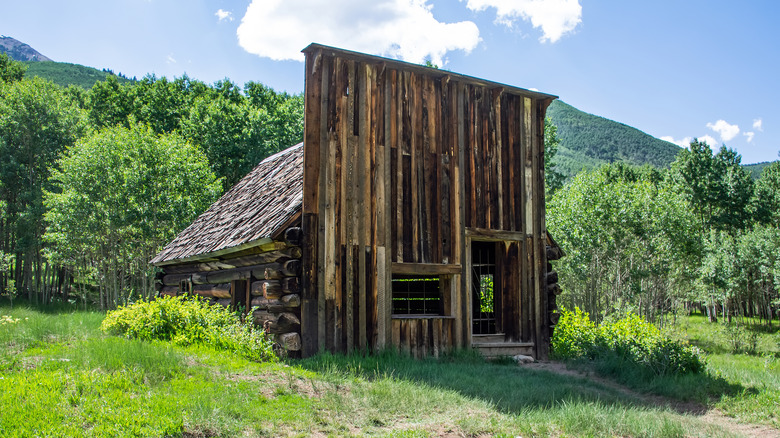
766,200
574,335
717,187
629,240
10,70
553,179
65,74
120,195
187,321
630,339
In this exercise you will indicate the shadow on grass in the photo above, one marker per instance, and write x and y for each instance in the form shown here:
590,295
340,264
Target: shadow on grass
512,388
56,306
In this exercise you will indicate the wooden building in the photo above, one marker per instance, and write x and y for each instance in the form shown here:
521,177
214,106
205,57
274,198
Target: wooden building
415,204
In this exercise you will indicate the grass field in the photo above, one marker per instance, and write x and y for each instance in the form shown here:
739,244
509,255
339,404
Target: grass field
60,376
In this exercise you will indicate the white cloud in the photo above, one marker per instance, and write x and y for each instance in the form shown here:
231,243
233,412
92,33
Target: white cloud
709,140
170,59
758,124
405,29
556,18
749,135
683,143
724,129
223,15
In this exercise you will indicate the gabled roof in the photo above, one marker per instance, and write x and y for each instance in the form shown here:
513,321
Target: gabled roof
258,207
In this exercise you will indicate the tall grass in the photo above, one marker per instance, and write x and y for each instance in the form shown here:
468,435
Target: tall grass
76,381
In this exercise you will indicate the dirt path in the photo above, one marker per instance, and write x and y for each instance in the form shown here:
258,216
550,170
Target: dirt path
708,415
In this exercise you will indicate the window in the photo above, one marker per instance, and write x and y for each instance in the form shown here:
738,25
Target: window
416,295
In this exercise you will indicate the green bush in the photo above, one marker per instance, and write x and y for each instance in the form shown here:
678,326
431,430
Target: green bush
629,339
186,321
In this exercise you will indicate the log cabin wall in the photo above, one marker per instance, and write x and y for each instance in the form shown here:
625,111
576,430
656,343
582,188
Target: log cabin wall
404,166
264,278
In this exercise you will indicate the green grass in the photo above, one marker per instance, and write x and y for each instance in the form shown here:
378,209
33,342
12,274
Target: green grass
61,376
743,386
758,375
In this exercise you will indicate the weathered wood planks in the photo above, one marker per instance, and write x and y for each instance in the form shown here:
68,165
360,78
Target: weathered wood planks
403,167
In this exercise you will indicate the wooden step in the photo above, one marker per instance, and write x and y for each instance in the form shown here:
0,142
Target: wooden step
487,339
492,350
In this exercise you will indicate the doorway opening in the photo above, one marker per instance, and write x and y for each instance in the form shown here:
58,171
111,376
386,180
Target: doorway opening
484,288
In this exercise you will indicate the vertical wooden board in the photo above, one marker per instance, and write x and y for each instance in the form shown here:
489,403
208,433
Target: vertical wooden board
329,204
413,165
486,152
459,228
506,201
387,252
424,342
512,153
530,287
414,337
449,340
466,315
311,149
347,197
436,178
436,343
528,171
394,179
373,188
446,164
539,238
322,285
309,222
383,288
371,299
457,166
473,151
404,173
425,184
406,336
511,290
353,328
396,335
498,114
340,207
309,321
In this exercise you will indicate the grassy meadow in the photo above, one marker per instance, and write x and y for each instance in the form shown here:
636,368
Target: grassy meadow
61,376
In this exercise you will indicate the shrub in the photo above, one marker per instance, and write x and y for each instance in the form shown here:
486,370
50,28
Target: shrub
628,339
186,321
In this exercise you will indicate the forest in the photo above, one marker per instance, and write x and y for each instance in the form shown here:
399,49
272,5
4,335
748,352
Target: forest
700,235
93,182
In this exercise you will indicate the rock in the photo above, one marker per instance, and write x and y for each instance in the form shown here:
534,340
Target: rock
521,359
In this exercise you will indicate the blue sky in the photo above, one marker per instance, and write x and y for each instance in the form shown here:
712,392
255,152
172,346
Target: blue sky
674,69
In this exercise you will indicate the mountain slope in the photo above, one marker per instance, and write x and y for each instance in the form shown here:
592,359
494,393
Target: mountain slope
587,141
19,51
64,74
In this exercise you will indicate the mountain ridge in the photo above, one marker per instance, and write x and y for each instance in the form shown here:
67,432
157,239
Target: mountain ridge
19,51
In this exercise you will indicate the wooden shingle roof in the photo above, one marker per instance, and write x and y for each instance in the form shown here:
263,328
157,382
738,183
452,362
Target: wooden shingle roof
258,207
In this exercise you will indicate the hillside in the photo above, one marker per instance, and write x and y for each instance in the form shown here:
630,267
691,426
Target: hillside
64,74
756,168
587,141
19,51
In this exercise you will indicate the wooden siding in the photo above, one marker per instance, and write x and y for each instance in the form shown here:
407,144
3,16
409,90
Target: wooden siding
399,162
